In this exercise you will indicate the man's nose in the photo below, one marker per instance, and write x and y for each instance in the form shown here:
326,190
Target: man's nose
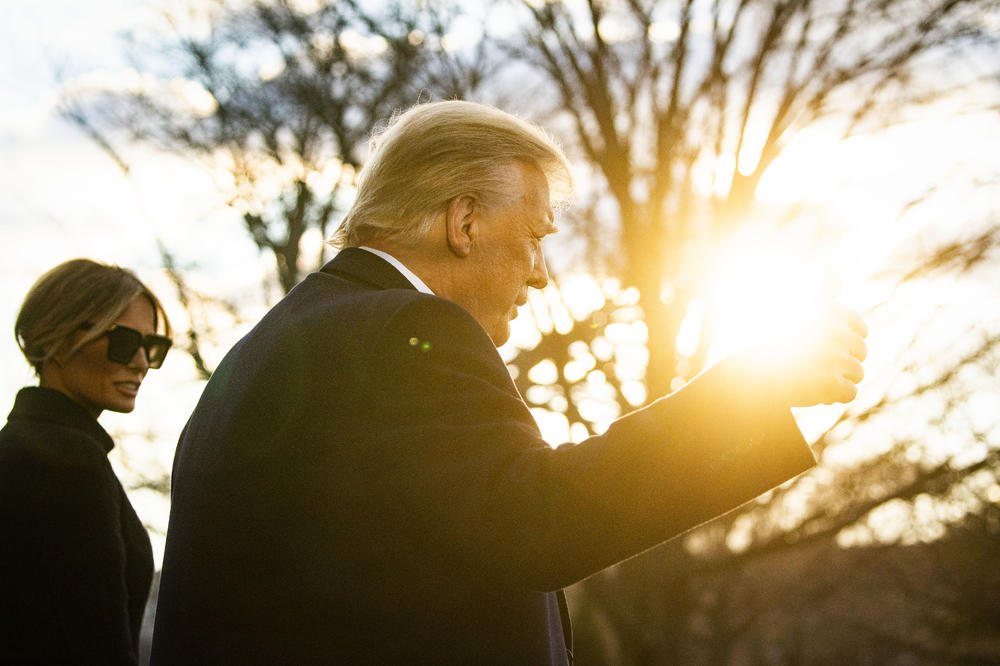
539,273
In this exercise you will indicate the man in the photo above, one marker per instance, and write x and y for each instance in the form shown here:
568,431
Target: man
362,483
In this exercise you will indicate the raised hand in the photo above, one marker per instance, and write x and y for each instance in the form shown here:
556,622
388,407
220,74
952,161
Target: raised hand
815,360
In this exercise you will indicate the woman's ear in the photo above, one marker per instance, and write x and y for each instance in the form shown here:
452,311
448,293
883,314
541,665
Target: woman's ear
460,223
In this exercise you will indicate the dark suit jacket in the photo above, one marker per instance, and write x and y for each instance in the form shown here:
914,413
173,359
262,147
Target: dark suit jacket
75,561
361,482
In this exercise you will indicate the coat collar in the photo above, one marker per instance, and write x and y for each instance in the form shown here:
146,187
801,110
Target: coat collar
36,403
362,266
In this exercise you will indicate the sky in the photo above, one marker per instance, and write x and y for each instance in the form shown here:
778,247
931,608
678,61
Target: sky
63,198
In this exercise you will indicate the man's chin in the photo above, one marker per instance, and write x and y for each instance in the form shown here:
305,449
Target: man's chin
500,334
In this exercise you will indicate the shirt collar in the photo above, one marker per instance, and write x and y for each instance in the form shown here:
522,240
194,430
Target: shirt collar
417,283
38,403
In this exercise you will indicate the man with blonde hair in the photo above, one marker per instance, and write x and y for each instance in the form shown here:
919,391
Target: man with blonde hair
361,481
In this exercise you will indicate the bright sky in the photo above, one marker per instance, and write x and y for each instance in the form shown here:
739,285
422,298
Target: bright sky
63,198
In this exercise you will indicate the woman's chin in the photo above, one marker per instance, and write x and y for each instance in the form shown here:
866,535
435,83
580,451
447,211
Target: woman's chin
121,406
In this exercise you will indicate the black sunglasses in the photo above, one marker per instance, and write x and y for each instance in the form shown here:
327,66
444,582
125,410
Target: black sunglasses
124,342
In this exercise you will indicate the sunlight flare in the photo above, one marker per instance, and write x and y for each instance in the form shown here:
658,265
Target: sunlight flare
763,294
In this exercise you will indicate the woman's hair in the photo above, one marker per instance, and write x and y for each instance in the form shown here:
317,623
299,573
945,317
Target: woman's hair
68,297
435,152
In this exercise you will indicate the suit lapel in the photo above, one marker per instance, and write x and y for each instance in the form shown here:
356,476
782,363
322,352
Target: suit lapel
359,265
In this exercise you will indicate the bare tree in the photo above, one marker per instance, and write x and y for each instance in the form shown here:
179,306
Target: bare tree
651,90
278,99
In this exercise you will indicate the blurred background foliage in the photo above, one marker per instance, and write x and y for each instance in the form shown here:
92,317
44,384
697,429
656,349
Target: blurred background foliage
676,113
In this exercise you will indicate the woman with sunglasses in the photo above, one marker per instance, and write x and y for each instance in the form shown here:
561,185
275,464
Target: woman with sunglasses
75,561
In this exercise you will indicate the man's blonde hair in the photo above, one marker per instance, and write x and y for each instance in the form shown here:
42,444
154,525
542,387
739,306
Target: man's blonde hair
435,152
74,295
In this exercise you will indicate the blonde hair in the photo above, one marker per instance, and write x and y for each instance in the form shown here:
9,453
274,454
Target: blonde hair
71,295
435,152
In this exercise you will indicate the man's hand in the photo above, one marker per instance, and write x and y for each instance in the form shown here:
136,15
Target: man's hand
817,361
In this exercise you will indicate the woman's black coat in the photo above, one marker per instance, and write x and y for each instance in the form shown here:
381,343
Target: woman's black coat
75,561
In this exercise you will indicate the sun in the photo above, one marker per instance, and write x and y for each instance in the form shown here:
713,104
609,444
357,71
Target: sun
764,292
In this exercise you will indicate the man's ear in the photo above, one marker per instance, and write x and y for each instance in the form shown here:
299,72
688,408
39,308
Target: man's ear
460,224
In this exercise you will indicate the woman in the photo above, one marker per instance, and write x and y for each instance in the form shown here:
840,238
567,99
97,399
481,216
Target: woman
75,561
